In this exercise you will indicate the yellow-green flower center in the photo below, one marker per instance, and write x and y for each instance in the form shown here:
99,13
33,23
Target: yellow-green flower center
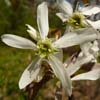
76,21
45,48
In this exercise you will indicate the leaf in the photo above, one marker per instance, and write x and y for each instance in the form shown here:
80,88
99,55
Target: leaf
61,74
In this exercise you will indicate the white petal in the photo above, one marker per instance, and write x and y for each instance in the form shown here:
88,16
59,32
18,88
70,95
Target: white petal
98,43
63,40
73,67
65,7
30,73
93,10
94,24
62,16
32,32
61,74
91,75
95,46
90,49
85,31
59,54
17,41
83,9
95,49
8,2
42,19
85,47
73,39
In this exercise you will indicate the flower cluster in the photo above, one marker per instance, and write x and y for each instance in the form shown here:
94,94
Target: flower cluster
79,31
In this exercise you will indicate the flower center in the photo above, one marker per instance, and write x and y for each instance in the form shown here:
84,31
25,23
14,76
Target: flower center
76,21
45,48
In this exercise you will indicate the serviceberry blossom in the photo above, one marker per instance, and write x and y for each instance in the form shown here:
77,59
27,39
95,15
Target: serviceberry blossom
77,18
46,49
73,67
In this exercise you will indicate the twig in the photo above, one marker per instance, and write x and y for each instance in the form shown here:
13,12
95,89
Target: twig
71,97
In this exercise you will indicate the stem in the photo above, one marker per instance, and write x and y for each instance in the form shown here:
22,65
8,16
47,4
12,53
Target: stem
76,5
71,97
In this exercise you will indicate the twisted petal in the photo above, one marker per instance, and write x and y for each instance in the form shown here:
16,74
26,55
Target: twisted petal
42,19
91,75
65,7
73,67
91,10
30,74
17,42
32,32
61,74
94,24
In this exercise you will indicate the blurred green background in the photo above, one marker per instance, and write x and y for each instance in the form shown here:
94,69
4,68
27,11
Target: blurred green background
14,14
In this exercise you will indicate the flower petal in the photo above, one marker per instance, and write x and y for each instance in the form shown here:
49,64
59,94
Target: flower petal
90,49
61,74
85,47
73,67
65,7
62,16
42,19
72,39
94,24
62,42
32,32
91,75
17,41
30,74
59,55
83,9
93,10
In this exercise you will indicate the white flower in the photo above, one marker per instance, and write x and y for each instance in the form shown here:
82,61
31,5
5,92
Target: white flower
76,19
72,68
67,14
44,50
